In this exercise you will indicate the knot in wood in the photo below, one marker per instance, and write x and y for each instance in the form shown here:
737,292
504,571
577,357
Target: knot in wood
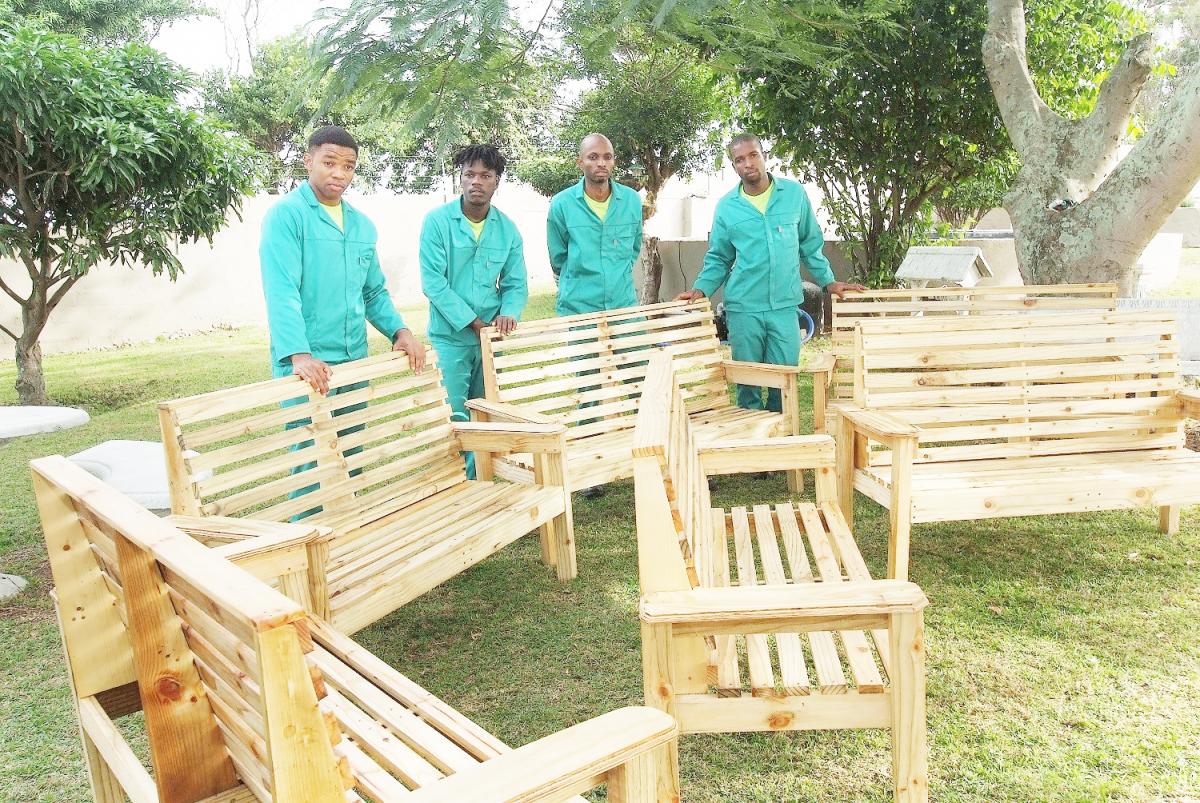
780,720
169,688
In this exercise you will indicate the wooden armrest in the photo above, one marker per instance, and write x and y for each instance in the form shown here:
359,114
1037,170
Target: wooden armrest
820,363
749,455
881,426
503,411
774,609
216,531
1191,403
504,437
562,764
760,373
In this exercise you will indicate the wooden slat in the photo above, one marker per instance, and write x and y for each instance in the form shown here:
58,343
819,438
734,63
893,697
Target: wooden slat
758,651
729,679
824,651
793,674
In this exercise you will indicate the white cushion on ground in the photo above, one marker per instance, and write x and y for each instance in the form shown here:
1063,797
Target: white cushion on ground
20,420
135,468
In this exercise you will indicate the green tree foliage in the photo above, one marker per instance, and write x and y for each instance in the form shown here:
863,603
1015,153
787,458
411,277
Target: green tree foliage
453,72
280,102
108,21
99,163
905,113
657,105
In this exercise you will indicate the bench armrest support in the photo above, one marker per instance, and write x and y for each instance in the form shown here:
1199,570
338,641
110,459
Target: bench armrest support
488,410
775,609
880,426
760,373
562,764
751,455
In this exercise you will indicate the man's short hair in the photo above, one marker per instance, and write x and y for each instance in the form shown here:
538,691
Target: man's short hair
741,138
332,135
488,154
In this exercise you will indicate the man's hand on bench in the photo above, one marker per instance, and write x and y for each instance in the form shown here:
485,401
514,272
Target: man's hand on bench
415,349
313,371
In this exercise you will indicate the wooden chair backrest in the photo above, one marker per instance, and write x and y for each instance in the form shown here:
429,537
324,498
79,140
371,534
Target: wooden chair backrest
556,366
1005,386
397,449
218,655
927,302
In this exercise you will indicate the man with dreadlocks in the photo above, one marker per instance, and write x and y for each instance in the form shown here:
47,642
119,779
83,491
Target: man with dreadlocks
473,273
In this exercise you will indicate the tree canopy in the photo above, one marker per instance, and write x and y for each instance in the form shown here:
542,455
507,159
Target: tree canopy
108,21
98,162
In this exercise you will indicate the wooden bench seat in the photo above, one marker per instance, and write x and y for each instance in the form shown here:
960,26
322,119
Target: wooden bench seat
586,372
380,464
765,618
247,697
973,417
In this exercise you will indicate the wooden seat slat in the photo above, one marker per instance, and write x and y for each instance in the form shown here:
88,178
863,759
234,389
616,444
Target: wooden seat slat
728,673
793,675
369,777
830,677
383,748
758,650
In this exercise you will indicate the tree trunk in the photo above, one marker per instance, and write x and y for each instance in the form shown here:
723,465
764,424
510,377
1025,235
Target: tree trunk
1108,209
31,382
652,268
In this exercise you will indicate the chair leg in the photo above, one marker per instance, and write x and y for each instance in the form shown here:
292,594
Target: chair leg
564,546
105,786
910,782
900,509
1168,519
658,679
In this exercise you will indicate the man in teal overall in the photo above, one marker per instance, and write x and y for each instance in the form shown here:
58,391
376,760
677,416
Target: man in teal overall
594,235
761,231
322,279
473,273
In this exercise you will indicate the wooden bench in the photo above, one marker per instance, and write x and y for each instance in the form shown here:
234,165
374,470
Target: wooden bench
847,652
586,371
247,697
972,417
386,475
929,302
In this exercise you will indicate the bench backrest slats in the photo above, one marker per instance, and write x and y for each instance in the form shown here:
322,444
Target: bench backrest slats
275,451
218,655
925,302
586,371
1002,386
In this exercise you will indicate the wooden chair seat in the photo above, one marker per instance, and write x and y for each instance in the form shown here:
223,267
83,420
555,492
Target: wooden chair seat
411,547
795,544
982,489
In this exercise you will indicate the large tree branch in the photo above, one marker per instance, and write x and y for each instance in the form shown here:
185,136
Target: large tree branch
1101,132
8,332
1025,113
11,293
61,291
1137,197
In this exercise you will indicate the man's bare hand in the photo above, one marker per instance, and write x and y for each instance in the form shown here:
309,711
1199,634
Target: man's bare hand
505,324
839,289
690,295
478,325
415,349
313,371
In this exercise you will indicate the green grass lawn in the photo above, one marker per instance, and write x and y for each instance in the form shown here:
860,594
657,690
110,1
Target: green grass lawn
1063,657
